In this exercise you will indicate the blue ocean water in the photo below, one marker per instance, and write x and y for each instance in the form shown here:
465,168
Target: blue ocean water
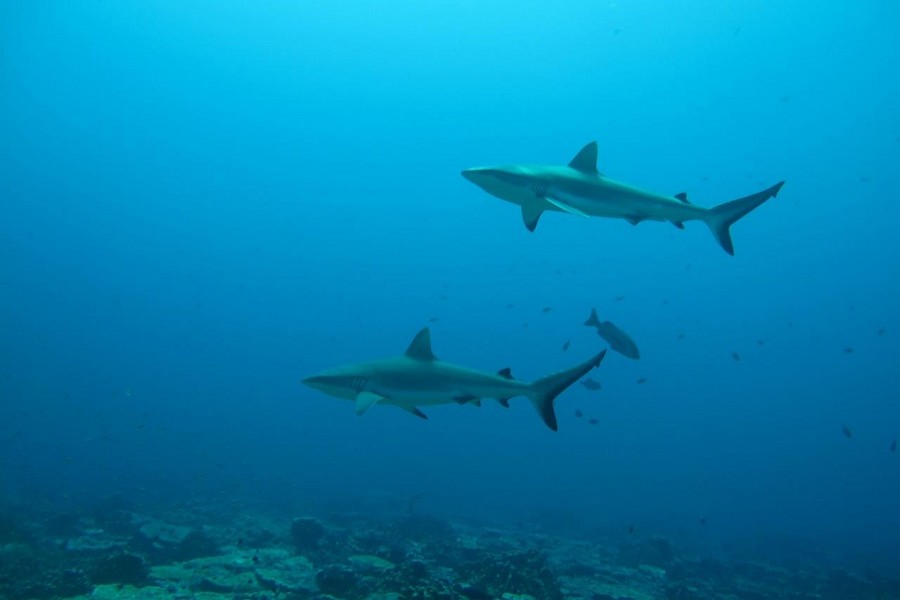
205,202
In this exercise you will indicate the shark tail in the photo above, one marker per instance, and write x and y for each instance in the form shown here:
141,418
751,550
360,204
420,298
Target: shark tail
719,219
545,390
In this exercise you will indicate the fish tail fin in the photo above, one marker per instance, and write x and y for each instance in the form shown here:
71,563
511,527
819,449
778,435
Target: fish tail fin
545,390
720,218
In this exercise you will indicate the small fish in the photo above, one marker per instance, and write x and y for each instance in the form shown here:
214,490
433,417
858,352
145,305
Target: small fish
736,357
617,339
591,384
642,380
849,350
893,446
509,306
547,309
680,336
593,422
255,558
760,342
847,433
240,542
566,344
702,521
619,298
665,301
882,330
433,320
630,529
578,413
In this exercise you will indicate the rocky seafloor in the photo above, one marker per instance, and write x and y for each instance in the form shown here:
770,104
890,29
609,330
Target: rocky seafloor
189,552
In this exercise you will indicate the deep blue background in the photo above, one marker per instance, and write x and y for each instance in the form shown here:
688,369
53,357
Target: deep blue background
204,202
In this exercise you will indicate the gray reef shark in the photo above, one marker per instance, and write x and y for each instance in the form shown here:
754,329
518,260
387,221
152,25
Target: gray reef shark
417,378
579,189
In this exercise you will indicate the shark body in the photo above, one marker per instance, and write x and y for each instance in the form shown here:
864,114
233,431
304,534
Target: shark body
417,378
579,189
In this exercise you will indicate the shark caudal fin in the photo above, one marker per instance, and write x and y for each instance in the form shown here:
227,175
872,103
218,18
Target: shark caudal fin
545,390
720,218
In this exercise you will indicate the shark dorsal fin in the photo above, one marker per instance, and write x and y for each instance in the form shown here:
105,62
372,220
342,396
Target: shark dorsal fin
682,197
586,160
420,347
593,320
505,373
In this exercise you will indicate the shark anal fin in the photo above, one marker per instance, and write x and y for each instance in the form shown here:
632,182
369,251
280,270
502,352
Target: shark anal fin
420,347
415,411
564,207
531,212
366,400
682,197
586,159
678,224
505,373
467,399
634,219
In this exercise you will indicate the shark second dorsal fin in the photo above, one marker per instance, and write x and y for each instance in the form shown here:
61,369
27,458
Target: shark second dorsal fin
420,347
586,160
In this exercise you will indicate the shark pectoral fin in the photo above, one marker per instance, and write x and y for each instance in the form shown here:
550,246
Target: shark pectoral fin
564,207
415,411
531,212
365,400
678,224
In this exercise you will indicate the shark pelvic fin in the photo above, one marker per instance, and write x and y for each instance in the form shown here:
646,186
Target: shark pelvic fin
420,347
531,212
634,219
415,411
564,207
504,402
366,400
586,160
678,224
505,373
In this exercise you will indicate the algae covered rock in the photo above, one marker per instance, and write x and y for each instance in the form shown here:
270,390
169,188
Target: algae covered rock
339,581
306,532
655,551
523,573
121,568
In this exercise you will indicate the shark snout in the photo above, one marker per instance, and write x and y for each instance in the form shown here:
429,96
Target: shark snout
480,176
